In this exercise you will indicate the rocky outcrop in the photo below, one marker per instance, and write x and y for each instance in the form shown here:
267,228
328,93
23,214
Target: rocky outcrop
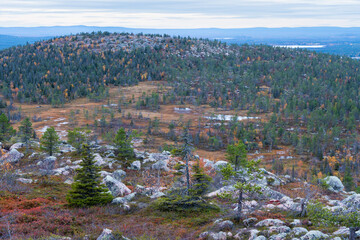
313,235
106,235
334,184
160,165
269,222
13,156
136,165
116,187
119,175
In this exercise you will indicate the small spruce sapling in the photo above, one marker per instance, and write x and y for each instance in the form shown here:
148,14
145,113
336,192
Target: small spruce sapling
87,189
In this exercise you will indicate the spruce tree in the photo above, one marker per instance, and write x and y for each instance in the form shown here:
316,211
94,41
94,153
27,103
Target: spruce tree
49,141
348,179
87,189
122,143
26,131
6,131
201,181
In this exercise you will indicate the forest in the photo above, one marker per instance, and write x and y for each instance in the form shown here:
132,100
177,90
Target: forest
311,99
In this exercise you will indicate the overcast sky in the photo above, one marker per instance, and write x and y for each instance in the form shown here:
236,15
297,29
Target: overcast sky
180,13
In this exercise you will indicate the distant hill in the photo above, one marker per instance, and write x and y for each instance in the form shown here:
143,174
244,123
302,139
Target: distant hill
336,40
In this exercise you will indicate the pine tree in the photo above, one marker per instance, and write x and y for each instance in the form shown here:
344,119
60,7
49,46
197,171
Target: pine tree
87,189
49,141
122,142
6,131
26,131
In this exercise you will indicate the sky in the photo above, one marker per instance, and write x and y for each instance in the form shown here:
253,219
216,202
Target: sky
180,13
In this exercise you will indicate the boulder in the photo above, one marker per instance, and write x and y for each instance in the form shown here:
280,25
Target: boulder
99,161
160,165
279,229
217,236
352,203
123,200
313,235
157,195
342,231
296,222
116,187
298,231
48,163
229,188
17,145
249,222
334,184
261,237
136,165
280,236
270,222
65,148
13,156
156,157
225,225
219,165
106,235
24,180
119,175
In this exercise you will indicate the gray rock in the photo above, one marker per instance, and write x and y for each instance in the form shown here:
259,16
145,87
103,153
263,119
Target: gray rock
269,222
334,183
261,237
13,156
123,200
24,180
280,236
229,188
217,236
225,225
157,195
160,165
296,222
219,165
298,231
48,163
136,165
65,148
99,161
342,231
17,145
119,175
249,222
106,235
313,235
204,235
352,203
279,229
116,187
105,173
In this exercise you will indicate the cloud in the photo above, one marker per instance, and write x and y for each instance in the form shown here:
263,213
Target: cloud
181,13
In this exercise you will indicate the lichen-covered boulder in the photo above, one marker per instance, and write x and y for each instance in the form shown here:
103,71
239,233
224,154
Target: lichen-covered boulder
116,187
334,184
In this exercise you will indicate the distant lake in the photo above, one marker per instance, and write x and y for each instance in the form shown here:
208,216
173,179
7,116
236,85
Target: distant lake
300,46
